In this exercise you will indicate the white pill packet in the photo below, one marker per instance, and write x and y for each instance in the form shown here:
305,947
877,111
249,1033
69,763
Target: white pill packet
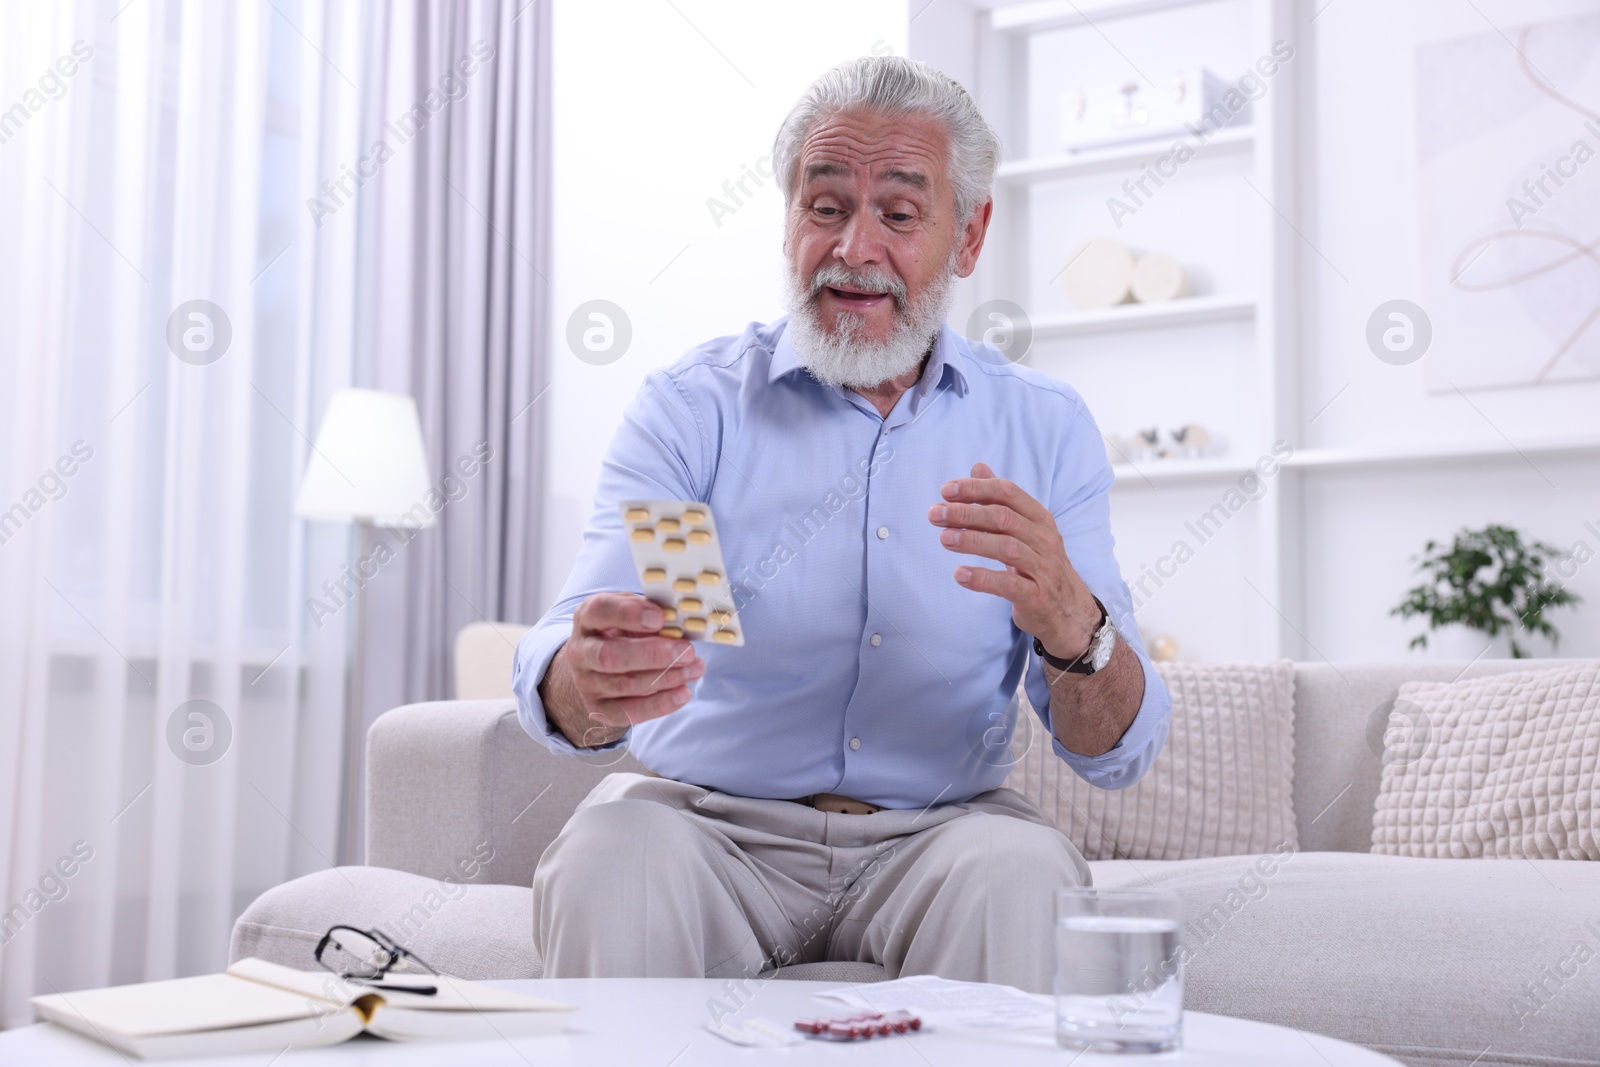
679,560
754,1033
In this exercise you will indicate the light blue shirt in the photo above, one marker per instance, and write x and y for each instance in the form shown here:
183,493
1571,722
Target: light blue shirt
866,669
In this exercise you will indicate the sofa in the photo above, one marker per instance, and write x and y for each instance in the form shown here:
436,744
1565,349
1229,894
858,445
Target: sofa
1468,963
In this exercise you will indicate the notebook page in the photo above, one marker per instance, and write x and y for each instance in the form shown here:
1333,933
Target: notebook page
180,1005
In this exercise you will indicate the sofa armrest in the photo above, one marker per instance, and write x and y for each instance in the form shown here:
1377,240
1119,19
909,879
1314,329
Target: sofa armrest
457,789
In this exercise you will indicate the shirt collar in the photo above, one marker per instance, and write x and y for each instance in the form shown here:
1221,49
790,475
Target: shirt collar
944,363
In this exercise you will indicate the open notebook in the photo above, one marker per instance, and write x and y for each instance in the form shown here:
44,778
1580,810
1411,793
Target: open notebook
265,1007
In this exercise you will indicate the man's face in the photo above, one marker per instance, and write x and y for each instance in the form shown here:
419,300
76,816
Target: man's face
873,199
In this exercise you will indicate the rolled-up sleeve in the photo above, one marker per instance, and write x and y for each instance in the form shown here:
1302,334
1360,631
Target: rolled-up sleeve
657,453
1084,518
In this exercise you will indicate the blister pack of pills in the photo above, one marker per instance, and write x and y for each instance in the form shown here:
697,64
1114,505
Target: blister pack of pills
859,1026
679,560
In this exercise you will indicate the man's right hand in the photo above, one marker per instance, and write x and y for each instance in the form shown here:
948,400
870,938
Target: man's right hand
615,670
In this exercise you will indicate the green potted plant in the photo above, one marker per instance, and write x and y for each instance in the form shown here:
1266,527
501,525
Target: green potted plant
1487,580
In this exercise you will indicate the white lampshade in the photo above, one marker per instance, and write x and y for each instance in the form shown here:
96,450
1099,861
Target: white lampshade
367,465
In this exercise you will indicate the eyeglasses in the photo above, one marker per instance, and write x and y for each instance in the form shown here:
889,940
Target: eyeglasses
367,956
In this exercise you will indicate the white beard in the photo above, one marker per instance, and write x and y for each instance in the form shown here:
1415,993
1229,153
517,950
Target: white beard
842,357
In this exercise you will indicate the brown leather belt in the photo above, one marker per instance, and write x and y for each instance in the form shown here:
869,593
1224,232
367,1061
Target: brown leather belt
835,803
839,805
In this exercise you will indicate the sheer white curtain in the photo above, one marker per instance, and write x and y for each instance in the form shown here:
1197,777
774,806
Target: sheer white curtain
154,153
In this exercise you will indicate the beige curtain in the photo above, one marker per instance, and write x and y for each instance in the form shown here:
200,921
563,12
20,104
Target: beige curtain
452,310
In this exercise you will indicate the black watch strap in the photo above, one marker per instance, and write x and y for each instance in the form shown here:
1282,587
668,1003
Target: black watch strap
1079,664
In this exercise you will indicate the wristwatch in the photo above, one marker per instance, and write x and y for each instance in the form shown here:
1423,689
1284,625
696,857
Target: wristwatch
1096,656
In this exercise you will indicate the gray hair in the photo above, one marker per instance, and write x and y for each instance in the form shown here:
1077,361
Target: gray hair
897,86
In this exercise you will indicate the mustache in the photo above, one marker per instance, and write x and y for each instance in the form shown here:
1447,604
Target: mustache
868,281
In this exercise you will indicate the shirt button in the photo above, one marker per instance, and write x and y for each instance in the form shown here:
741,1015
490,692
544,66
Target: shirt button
883,532
877,639
855,742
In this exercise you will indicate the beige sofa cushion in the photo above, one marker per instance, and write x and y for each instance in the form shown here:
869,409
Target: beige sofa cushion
1221,787
1507,766
1437,963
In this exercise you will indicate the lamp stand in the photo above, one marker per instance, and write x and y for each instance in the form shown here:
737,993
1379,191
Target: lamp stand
352,741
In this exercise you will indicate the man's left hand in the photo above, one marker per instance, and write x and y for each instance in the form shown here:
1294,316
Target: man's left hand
989,516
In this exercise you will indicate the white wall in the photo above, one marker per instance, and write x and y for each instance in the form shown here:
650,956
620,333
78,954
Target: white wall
1359,160
1360,166
656,106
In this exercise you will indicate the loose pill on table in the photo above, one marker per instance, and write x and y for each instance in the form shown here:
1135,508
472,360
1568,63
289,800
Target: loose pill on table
644,533
684,585
695,625
694,515
699,537
725,637
667,525
671,631
710,578
690,603
671,544
655,574
638,515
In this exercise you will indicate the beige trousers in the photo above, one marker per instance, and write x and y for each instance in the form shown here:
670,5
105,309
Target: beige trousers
654,877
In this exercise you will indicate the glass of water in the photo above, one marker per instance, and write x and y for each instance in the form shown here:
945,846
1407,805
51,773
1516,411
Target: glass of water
1119,975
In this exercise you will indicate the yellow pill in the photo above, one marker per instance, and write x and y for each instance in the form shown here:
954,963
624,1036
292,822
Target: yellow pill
644,533
689,603
669,614
684,585
638,514
694,515
721,617
710,578
672,544
671,631
667,525
695,625
655,574
725,637
700,537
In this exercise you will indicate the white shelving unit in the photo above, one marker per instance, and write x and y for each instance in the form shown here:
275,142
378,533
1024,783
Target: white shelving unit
1131,317
1056,14
1180,471
1227,141
1252,350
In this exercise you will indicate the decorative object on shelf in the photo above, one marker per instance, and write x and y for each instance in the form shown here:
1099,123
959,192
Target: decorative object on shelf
1157,278
1099,274
1095,116
1163,648
1487,580
1103,273
1147,443
1191,440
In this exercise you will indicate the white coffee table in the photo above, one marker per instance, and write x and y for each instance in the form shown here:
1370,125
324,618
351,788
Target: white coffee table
656,1022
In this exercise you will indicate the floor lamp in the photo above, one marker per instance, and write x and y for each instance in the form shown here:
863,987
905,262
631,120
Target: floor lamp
368,468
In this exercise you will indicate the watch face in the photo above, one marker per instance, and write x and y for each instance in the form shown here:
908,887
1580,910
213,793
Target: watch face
1105,643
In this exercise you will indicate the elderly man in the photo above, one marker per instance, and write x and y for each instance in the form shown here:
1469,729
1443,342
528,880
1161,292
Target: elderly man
831,790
